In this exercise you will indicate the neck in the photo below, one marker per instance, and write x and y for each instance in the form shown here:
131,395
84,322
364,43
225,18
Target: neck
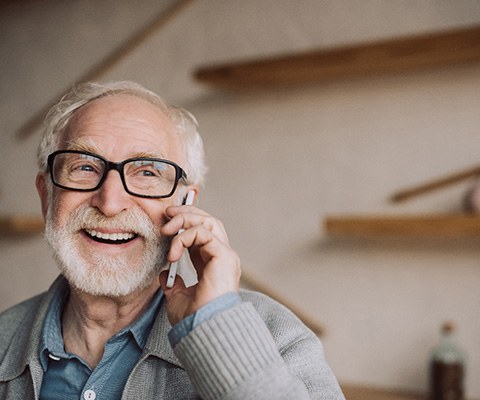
89,321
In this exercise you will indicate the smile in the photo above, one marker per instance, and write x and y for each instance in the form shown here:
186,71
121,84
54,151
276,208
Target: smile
110,238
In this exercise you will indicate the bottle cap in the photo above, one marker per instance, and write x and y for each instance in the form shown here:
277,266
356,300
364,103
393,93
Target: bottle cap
448,327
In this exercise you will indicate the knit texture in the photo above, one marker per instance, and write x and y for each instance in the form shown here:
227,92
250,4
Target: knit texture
255,350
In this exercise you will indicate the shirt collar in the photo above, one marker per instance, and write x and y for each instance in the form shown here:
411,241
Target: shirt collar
140,329
51,342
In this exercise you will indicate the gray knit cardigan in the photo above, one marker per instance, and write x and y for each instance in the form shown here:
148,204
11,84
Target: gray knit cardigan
256,350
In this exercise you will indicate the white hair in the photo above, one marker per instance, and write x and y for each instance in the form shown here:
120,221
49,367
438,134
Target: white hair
185,123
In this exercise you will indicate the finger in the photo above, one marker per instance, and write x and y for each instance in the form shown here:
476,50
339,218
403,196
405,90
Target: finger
172,211
189,220
186,220
197,239
194,236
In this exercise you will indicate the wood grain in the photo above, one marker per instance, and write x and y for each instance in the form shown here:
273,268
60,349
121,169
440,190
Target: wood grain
20,225
396,55
354,392
456,225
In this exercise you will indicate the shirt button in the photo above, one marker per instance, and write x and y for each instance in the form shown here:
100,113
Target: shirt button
89,395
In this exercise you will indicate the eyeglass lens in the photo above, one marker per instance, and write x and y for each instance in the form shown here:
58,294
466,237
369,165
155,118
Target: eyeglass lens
146,177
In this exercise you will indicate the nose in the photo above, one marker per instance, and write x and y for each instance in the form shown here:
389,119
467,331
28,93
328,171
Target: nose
111,198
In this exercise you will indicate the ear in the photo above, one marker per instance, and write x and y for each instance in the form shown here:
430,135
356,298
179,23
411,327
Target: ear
42,192
184,191
195,188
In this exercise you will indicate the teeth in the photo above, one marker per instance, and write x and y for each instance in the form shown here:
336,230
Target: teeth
110,236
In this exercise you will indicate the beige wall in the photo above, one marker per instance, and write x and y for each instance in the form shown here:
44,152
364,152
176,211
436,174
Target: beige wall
280,161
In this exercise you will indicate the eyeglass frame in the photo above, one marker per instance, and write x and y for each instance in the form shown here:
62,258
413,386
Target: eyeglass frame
180,173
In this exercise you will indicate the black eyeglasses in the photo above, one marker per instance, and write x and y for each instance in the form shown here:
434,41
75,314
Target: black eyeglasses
143,177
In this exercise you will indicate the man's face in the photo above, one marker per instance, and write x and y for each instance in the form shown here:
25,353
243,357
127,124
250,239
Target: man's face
107,242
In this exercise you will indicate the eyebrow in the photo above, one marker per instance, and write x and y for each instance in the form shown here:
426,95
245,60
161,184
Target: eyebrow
147,155
92,148
83,146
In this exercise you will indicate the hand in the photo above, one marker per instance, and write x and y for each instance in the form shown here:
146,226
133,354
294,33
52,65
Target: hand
216,263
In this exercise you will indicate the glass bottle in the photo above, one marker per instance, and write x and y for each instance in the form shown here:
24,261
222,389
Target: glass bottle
446,368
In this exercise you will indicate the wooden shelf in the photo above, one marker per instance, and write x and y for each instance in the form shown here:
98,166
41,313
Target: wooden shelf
408,225
20,225
390,56
353,392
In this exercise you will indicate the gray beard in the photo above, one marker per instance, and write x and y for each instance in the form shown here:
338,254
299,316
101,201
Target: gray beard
100,274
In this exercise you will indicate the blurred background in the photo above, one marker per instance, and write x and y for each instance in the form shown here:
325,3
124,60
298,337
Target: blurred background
304,152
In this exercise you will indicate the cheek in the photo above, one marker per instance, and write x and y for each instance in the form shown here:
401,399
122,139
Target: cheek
157,215
155,209
63,203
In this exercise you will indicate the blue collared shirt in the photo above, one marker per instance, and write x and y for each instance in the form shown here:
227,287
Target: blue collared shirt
67,376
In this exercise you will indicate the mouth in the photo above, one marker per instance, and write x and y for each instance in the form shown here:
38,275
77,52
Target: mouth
110,238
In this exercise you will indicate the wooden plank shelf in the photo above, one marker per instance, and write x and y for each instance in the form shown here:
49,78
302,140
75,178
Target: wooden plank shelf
455,225
20,225
354,392
390,56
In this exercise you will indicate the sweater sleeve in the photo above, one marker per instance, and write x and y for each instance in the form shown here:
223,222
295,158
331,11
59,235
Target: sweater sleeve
245,353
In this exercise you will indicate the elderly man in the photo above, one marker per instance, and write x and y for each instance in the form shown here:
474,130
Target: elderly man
115,165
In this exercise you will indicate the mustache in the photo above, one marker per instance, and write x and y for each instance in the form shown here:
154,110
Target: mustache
132,220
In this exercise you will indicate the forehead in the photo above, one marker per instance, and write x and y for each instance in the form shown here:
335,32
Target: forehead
122,125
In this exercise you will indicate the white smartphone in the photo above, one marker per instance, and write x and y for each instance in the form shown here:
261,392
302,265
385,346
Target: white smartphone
172,271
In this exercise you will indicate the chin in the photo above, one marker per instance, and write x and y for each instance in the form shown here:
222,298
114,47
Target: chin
112,276
108,285
100,273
